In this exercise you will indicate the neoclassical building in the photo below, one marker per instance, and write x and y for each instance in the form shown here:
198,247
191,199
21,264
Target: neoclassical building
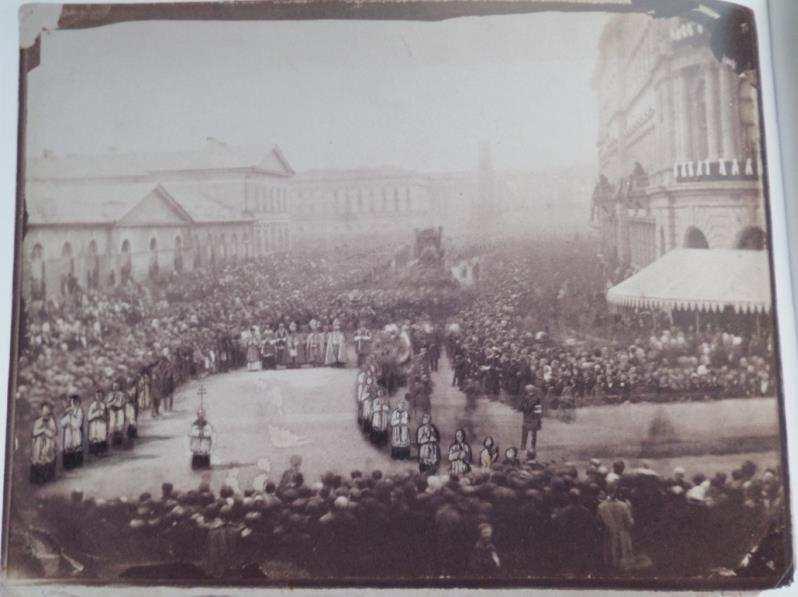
330,208
109,218
678,144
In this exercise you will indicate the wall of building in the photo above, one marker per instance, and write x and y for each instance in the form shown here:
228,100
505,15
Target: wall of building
667,104
98,255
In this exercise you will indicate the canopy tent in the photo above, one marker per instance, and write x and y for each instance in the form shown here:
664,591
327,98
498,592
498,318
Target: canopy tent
700,280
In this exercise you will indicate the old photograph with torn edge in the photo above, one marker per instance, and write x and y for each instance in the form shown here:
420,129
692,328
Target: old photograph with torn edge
394,294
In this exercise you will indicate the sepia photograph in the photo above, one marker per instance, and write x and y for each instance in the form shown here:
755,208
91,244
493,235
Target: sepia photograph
429,294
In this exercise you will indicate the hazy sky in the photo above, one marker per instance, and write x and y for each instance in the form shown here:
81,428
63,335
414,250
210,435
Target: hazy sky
331,94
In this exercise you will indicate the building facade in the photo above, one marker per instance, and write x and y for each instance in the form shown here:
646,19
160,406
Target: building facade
109,219
678,144
333,208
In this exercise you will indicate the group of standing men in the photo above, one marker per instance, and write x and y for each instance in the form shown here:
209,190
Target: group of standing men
111,420
290,348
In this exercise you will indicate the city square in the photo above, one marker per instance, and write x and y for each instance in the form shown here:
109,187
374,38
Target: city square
493,314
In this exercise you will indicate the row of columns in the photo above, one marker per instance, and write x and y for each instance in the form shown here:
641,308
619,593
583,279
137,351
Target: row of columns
722,112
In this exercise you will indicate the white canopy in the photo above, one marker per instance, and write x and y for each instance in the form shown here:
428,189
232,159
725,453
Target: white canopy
700,279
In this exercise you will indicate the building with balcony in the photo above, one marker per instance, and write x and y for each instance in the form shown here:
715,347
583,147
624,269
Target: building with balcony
678,145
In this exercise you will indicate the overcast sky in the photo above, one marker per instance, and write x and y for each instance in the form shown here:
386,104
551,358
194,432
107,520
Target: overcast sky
331,94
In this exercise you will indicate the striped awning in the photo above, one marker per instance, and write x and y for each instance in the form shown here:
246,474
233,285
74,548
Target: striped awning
699,280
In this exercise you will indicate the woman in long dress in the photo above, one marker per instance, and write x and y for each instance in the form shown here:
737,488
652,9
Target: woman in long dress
429,451
43,449
460,454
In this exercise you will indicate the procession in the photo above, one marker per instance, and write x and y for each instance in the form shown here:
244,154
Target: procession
514,328
397,374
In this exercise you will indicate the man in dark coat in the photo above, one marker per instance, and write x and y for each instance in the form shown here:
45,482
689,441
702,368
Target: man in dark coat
533,420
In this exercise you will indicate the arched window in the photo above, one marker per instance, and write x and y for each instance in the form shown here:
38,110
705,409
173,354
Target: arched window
93,266
695,239
178,265
154,267
234,248
68,257
752,238
37,272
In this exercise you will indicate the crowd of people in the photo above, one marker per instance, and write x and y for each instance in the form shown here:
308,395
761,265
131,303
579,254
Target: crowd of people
527,333
532,323
134,344
504,519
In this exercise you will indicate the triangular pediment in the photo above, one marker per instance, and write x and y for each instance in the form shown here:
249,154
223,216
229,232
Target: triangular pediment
157,208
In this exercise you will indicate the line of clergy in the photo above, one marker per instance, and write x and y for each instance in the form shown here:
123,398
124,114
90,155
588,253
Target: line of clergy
287,347
110,421
381,425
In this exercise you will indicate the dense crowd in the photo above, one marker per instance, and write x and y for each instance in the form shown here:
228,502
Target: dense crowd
131,346
534,323
504,520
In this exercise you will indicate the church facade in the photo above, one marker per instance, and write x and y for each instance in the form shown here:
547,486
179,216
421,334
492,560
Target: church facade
104,220
678,144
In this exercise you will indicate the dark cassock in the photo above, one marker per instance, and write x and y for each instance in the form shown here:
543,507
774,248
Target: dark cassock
116,415
380,415
367,406
71,424
143,391
400,432
292,347
429,451
98,426
362,342
335,355
43,447
532,419
132,412
268,360
315,344
361,391
200,441
280,345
